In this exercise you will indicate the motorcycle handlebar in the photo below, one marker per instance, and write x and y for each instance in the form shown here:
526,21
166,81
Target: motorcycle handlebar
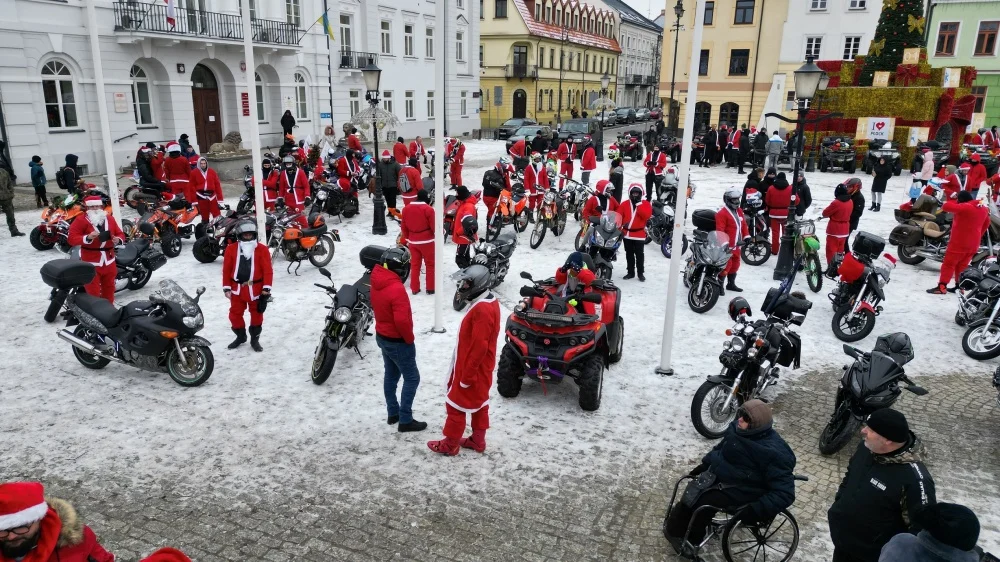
325,287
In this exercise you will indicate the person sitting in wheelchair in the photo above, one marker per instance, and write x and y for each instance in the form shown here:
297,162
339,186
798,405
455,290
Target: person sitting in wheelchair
753,479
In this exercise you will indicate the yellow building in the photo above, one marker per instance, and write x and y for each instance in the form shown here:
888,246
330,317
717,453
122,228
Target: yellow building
738,59
531,50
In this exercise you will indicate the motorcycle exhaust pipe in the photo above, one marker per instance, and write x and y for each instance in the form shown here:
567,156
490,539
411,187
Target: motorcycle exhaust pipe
88,347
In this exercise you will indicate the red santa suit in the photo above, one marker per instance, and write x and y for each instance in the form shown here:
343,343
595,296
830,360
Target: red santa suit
207,191
734,225
967,228
588,162
777,199
654,163
839,227
977,175
177,175
634,219
536,183
976,138
157,165
412,175
244,287
400,153
466,209
519,149
956,182
989,139
471,377
86,234
294,188
417,150
994,184
457,156
565,155
353,143
593,206
347,170
417,228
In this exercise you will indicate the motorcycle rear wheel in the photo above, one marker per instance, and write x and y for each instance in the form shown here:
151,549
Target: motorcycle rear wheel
581,240
205,250
127,228
860,327
493,227
908,255
537,234
757,252
37,242
121,281
322,258
814,273
667,246
323,362
560,223
88,360
707,414
972,341
521,222
204,363
838,431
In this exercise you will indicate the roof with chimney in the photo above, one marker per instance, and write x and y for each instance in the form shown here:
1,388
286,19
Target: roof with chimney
526,8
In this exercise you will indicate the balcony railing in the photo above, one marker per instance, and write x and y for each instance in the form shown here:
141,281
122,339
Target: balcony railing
529,71
134,16
636,79
650,80
356,59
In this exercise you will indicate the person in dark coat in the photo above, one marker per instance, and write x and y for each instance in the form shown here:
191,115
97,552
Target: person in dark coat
388,177
723,141
744,147
711,140
882,172
5,164
803,195
185,143
885,486
853,186
540,144
753,183
756,467
38,181
67,178
767,181
287,122
760,147
659,127
950,532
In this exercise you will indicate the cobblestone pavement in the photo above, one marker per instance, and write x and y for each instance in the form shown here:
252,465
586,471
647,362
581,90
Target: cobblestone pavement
611,516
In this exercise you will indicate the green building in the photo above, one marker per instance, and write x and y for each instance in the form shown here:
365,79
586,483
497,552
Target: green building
964,33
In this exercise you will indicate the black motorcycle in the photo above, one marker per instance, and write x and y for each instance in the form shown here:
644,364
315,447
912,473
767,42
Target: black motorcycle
495,256
750,359
758,250
136,261
154,335
605,238
858,294
216,234
660,229
870,383
334,200
349,318
710,252
978,292
247,202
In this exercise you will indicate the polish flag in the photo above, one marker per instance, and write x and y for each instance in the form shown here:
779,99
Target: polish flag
171,12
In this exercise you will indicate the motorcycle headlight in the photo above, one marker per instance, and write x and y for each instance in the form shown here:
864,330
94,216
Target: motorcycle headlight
321,195
342,315
196,321
480,259
599,238
737,344
549,197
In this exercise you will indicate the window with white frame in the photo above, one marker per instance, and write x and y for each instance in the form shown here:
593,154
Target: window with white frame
858,4
464,103
142,107
852,45
57,88
817,5
355,97
345,32
429,42
293,12
408,104
386,37
459,46
430,104
259,87
387,101
408,40
301,97
813,46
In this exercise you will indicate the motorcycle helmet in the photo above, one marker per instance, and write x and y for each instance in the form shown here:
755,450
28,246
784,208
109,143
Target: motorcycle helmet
575,263
472,282
551,167
840,193
732,198
503,163
853,185
897,345
635,192
602,187
246,230
737,306
470,226
288,162
613,153
536,157
397,260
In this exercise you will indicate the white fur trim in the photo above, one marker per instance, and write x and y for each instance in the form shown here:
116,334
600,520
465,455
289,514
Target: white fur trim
466,410
24,517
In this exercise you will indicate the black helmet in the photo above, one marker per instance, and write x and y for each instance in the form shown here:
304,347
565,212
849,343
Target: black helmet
853,185
473,281
246,230
897,345
470,226
737,306
635,189
266,162
397,260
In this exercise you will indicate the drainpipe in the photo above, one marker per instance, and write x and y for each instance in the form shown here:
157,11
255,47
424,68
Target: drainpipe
444,89
927,20
756,57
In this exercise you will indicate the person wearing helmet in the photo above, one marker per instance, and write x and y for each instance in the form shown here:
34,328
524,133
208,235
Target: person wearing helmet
588,162
388,177
970,222
417,232
599,203
654,163
519,152
474,360
465,227
97,233
566,156
177,171
536,183
456,156
495,180
394,336
731,221
207,190
576,275
853,187
839,228
409,182
635,214
779,198
977,175
246,282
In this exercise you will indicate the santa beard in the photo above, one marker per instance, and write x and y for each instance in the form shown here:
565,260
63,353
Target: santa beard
19,548
97,217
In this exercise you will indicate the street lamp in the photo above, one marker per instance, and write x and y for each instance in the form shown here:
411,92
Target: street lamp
679,12
807,80
824,82
372,75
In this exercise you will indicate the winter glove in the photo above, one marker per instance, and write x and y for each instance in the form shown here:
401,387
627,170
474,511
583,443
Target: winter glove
104,236
227,292
747,515
262,303
698,470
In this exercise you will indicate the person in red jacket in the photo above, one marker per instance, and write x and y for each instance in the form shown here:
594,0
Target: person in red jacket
348,169
177,171
167,554
635,214
519,152
96,234
655,163
967,228
977,175
417,229
588,163
394,335
352,141
456,155
571,276
207,190
536,183
566,155
417,149
156,162
410,182
778,198
400,152
246,282
464,229
599,203
730,220
839,228
34,528
473,362
293,184
958,182
994,184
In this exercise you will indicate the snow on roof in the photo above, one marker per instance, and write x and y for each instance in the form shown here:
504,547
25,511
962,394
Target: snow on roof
629,15
575,36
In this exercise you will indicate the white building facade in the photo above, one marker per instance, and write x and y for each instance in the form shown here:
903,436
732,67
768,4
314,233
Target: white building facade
640,40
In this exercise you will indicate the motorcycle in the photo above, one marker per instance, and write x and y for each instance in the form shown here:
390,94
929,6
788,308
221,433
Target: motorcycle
630,146
925,236
137,195
215,236
758,250
56,220
349,318
666,190
660,229
578,195
154,335
136,262
750,360
710,252
856,298
605,238
870,383
510,209
551,214
315,242
978,308
495,256
451,205
806,247
248,201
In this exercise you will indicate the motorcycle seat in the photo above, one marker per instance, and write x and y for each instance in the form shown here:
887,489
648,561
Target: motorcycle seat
931,230
505,240
99,308
318,231
136,308
518,196
923,215
131,252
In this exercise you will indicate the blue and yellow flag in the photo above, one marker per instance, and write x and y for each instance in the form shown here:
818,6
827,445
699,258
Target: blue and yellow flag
325,18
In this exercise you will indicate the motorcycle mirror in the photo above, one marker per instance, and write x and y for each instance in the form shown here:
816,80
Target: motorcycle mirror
199,291
526,275
851,350
918,390
325,273
797,319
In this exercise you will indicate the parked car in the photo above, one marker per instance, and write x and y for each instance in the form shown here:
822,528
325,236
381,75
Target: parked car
942,153
881,148
655,113
511,125
642,114
528,133
838,152
610,117
986,158
626,115
580,130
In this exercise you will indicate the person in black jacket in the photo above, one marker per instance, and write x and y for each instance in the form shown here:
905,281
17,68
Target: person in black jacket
144,165
540,144
723,141
752,464
287,122
882,172
767,181
744,147
853,187
753,182
711,140
885,486
67,177
388,177
803,195
760,147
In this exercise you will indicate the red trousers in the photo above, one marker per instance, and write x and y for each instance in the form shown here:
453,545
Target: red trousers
834,245
777,229
239,303
535,199
103,284
454,425
421,253
208,209
734,263
954,264
491,203
565,168
456,174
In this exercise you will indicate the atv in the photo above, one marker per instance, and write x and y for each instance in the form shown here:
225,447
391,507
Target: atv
551,336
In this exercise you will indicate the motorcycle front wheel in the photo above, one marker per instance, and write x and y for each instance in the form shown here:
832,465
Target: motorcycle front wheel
814,273
581,240
702,301
194,368
838,431
494,226
855,329
521,222
560,223
757,252
982,341
667,246
537,234
707,413
323,361
322,253
171,245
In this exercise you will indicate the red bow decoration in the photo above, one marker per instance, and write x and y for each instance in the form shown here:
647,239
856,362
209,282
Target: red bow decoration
907,74
945,104
968,77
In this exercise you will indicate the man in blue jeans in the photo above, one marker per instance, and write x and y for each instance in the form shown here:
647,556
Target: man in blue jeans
394,335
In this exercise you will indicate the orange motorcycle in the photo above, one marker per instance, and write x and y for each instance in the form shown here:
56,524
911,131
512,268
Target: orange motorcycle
315,243
171,223
511,208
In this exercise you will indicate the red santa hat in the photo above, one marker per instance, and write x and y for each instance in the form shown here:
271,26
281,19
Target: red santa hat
965,166
173,147
385,154
144,149
167,554
93,201
974,157
21,503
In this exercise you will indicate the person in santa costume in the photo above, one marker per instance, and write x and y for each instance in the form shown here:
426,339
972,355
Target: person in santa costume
970,221
96,234
465,228
519,152
400,151
34,528
292,184
207,190
958,181
353,143
977,175
655,163
417,149
566,155
588,163
473,362
348,169
417,228
412,183
635,214
536,183
177,171
246,282
456,156
730,220
599,203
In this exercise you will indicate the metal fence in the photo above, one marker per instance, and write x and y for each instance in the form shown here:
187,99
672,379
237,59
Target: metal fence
137,16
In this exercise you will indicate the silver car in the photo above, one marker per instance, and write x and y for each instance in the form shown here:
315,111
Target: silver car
642,114
610,118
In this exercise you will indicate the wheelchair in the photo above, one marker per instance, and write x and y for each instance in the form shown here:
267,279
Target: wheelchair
775,539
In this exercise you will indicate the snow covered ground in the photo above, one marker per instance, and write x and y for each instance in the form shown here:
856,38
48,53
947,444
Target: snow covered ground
259,423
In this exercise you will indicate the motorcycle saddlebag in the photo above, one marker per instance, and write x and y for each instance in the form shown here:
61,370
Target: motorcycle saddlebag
790,350
371,255
906,235
868,245
66,274
902,215
704,219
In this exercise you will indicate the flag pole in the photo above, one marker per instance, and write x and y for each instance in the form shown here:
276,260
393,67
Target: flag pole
673,277
439,183
251,85
102,111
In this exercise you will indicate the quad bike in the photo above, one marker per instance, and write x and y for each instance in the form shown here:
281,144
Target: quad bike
510,209
551,336
136,195
551,214
171,223
56,220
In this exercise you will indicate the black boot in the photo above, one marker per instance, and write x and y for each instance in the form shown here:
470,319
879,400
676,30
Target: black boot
878,207
731,285
15,232
255,338
241,337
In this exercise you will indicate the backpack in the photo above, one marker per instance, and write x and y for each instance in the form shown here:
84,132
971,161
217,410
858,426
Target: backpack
61,179
404,183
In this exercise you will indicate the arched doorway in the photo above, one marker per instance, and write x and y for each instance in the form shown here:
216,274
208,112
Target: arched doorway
207,113
520,104
729,114
702,116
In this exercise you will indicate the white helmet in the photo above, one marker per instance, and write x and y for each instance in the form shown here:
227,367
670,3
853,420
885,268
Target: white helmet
732,198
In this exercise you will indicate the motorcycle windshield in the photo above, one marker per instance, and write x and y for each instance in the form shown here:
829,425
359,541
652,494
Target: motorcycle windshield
882,369
173,292
716,248
611,221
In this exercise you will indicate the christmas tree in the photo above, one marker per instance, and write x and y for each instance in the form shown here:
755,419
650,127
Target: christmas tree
901,26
